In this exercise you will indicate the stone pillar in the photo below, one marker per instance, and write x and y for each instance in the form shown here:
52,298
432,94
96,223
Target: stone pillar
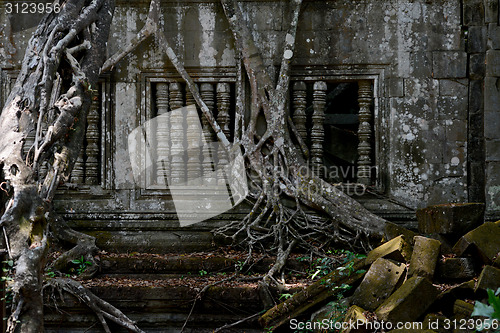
299,108
207,94
364,132
177,137
92,151
318,131
162,135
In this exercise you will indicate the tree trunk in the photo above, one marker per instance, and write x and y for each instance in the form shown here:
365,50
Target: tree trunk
41,126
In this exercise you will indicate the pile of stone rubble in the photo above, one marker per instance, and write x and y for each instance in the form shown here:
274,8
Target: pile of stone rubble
432,277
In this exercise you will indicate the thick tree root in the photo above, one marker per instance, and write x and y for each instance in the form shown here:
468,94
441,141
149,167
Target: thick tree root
102,309
84,247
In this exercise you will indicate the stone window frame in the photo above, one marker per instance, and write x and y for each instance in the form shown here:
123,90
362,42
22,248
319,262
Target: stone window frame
351,74
170,75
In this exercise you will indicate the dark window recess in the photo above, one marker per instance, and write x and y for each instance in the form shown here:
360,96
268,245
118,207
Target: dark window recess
336,106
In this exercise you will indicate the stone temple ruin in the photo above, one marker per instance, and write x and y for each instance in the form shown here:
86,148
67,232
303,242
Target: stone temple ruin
400,96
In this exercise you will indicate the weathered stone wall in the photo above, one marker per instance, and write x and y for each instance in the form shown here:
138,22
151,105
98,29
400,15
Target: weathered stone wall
491,32
427,60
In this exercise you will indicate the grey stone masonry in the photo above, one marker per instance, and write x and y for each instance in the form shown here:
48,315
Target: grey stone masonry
492,106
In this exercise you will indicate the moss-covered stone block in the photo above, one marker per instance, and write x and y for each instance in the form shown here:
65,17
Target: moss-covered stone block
397,249
456,269
424,257
409,302
489,279
450,218
446,300
355,314
379,282
393,230
462,309
482,241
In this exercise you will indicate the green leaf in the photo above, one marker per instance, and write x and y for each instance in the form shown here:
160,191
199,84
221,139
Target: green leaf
482,310
495,303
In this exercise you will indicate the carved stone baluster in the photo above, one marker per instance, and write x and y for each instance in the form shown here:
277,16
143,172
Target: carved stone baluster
92,150
207,94
162,135
318,131
177,135
193,147
365,98
223,105
78,173
189,98
299,106
192,155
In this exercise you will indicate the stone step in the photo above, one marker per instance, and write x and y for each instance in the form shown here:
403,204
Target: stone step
184,264
162,304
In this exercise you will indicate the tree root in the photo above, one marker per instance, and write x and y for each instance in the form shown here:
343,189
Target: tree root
84,247
102,309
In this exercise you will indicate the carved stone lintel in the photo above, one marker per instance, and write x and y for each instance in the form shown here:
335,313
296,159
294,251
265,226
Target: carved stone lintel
299,108
318,131
365,98
162,135
92,170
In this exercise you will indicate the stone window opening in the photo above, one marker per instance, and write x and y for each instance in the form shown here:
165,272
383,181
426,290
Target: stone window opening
335,120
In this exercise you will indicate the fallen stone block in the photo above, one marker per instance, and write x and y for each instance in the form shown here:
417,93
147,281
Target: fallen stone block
450,218
489,278
397,249
482,241
379,282
447,242
462,309
497,262
355,314
446,300
424,257
456,269
393,230
408,302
